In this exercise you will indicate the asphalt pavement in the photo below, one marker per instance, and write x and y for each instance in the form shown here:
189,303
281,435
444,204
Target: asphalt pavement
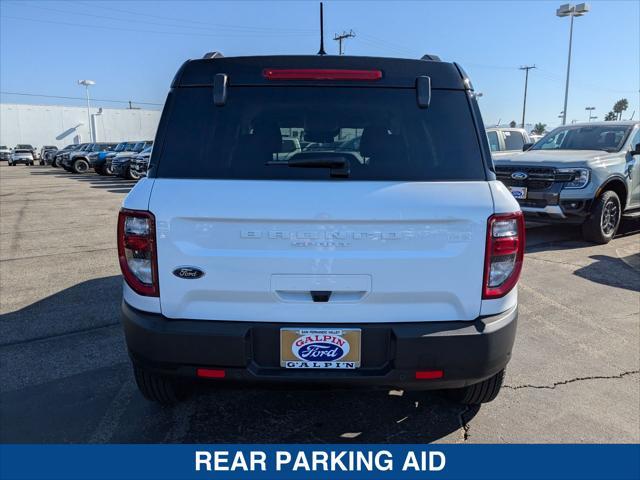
65,376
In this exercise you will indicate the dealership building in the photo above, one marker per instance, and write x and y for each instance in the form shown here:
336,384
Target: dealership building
60,125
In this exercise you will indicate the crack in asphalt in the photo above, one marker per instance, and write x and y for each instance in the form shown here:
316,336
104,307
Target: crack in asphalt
464,425
572,380
58,335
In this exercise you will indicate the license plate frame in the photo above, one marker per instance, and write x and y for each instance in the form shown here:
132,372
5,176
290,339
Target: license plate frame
519,193
320,348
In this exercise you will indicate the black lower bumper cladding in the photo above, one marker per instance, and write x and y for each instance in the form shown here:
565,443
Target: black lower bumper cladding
466,352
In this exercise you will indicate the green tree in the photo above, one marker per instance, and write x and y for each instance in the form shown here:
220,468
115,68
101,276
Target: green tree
619,107
512,124
539,128
611,116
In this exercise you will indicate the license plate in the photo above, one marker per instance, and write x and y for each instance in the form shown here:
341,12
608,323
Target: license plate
320,348
520,193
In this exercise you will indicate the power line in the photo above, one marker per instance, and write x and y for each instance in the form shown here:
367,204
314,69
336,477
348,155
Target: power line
209,27
191,21
138,30
24,94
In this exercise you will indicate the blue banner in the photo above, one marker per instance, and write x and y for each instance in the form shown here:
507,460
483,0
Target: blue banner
308,462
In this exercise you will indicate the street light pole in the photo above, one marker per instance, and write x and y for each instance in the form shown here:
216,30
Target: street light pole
86,84
568,10
590,110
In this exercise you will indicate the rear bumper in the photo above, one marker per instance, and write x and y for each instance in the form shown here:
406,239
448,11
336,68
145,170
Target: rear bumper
466,351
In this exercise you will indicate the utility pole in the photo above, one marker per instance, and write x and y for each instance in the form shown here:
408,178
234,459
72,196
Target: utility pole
526,69
342,37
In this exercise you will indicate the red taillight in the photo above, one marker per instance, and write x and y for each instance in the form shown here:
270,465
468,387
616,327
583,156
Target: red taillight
503,255
137,251
210,373
321,74
429,374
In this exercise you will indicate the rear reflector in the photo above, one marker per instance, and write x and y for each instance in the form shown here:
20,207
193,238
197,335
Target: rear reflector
210,373
321,74
429,374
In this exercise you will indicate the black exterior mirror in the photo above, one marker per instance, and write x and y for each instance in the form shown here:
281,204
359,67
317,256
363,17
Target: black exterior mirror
636,150
526,146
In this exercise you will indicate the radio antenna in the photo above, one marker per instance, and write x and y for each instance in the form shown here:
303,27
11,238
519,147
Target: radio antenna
321,51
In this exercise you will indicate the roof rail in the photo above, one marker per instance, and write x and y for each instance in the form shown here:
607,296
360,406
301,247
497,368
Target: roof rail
213,55
431,57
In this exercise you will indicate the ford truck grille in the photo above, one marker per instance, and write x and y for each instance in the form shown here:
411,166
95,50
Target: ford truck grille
538,178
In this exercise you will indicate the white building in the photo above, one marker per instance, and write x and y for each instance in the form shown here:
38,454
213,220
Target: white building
61,125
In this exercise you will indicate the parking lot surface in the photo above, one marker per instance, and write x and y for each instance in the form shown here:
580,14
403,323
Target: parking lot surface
65,376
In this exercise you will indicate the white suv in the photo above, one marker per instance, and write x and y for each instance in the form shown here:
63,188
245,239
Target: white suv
393,266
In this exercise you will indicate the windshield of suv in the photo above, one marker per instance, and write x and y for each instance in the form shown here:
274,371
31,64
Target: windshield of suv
378,133
3,147
609,138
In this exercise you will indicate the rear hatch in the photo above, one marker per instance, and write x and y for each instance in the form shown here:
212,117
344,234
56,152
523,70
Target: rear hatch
380,216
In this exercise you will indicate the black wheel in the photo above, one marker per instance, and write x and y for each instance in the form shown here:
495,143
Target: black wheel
80,166
108,170
132,174
10,164
56,163
478,393
604,220
41,163
100,170
158,388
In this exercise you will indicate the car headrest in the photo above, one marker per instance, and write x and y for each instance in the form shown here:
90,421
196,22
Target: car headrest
268,135
609,139
372,139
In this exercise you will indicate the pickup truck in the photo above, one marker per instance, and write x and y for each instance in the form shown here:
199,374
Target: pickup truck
586,174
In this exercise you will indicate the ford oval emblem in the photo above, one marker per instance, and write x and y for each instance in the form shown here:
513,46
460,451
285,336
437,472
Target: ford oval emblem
320,348
188,272
519,176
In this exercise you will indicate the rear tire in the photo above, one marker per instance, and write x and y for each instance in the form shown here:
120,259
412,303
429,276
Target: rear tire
604,220
158,388
478,393
80,166
132,174
100,171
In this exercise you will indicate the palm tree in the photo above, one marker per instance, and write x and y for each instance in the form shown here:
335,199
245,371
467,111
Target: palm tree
539,128
619,107
610,117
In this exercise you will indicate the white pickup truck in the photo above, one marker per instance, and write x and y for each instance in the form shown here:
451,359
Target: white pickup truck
392,265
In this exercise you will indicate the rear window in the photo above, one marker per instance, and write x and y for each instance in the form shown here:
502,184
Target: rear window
513,140
380,132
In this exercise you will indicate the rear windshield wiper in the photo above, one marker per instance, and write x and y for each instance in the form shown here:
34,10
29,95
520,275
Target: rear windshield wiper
339,166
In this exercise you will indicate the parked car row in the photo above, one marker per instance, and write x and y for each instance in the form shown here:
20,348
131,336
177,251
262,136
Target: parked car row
104,158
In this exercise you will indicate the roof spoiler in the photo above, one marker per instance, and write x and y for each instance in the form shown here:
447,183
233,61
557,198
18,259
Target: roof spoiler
212,55
430,57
